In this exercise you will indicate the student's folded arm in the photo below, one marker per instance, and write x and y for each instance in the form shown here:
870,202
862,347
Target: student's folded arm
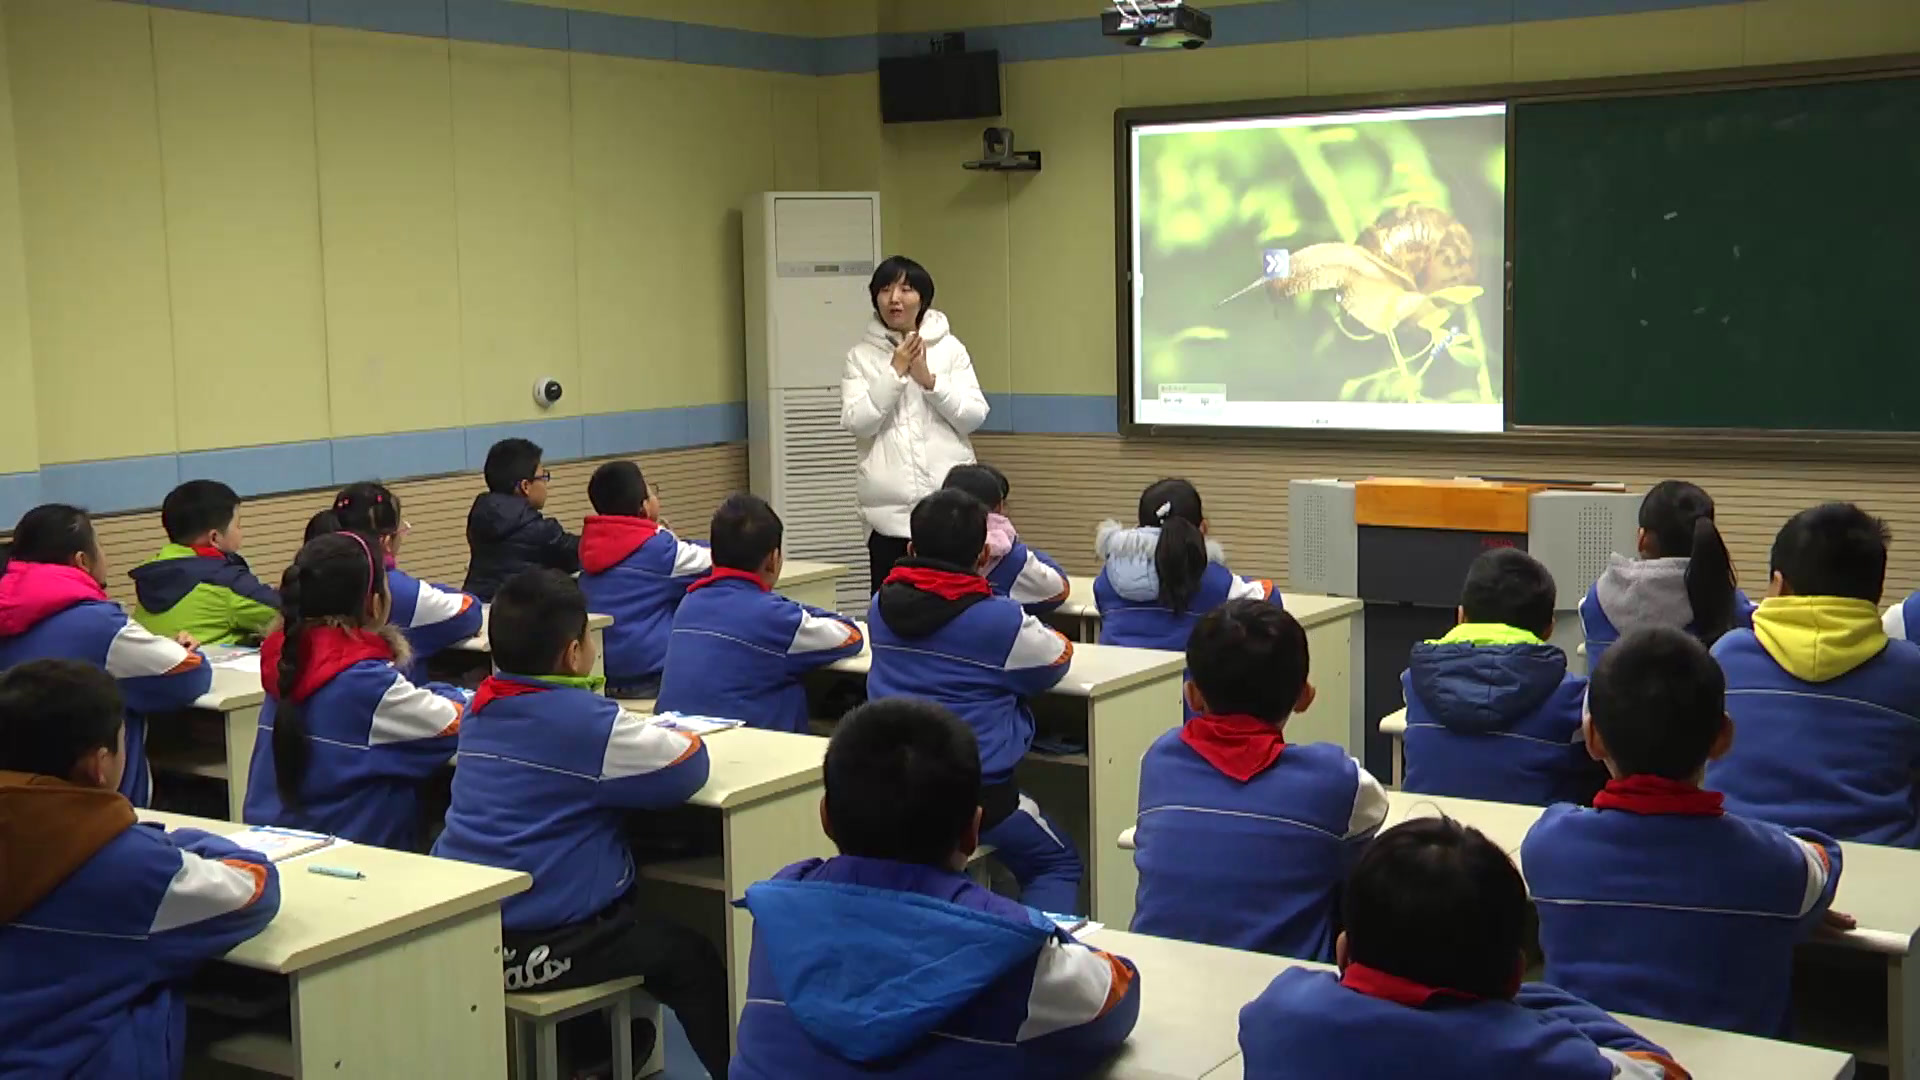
1250,589
1821,855
648,767
957,396
1041,585
1039,658
1632,1054
1083,1006
222,895
415,729
820,638
691,560
1370,806
558,548
156,674
442,617
866,402
1894,622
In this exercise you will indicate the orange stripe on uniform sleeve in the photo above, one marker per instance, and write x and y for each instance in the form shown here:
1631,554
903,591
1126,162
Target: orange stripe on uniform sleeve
466,603
1266,589
459,711
253,870
1672,1067
693,747
853,637
1117,988
193,661
1066,650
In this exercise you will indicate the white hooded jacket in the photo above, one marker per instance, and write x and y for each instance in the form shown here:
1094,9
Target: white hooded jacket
908,437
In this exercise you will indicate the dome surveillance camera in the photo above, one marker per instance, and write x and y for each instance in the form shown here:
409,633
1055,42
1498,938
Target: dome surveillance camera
547,391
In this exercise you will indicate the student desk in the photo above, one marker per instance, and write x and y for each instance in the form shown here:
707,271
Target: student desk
596,627
1190,1020
235,698
394,975
1394,727
813,583
1879,886
1334,639
766,787
1122,700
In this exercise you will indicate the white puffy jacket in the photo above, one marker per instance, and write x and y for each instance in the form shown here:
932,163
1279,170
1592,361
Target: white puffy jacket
908,437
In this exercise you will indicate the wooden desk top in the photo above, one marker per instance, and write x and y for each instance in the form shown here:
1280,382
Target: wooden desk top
1097,671
807,571
1879,886
322,918
1312,609
1394,723
479,643
1190,1016
232,691
749,765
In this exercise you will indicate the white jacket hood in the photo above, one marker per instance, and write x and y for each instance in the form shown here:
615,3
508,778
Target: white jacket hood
1128,556
907,436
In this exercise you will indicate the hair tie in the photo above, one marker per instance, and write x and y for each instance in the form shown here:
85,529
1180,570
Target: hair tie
1165,509
373,570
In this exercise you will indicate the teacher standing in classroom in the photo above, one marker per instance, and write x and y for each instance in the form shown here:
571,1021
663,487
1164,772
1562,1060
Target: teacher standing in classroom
909,397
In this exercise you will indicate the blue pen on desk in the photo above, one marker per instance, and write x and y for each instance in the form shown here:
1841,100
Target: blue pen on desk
336,871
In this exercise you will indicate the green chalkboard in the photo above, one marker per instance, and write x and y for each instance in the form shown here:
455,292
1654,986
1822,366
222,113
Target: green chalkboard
1742,258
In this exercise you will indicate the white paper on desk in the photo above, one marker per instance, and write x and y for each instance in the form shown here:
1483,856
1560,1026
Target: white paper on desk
694,725
279,845
245,663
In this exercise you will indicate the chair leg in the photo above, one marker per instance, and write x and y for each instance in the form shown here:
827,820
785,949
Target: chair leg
546,1038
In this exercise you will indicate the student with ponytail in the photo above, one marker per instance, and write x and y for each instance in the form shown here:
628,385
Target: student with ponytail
1682,579
1161,577
346,739
431,617
54,605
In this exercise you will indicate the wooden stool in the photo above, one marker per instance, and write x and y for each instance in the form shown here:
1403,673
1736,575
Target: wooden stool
540,1016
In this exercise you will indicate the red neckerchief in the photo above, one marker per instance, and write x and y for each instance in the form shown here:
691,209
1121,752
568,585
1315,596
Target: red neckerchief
1378,984
608,539
209,551
728,573
945,584
325,651
493,686
1643,794
1243,747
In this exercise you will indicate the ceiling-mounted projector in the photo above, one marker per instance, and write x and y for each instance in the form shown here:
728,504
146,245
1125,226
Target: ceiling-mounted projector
1157,24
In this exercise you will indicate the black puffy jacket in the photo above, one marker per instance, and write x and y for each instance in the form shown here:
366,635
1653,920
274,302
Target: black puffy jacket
507,535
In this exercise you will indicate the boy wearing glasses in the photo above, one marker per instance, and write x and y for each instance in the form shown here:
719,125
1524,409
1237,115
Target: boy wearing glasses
506,532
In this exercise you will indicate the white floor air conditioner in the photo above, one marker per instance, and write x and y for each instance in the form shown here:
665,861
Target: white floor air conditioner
808,257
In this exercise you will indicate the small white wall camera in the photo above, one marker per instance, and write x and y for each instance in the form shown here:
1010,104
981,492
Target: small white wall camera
547,391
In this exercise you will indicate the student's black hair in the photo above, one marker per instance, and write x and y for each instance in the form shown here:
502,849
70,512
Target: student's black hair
1429,873
367,508
50,533
1249,658
1509,587
903,782
535,615
330,581
618,489
745,530
1679,518
1657,699
509,462
983,482
1833,550
899,268
1180,558
53,712
196,508
949,526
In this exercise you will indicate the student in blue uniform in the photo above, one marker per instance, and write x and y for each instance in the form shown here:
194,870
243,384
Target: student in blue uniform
634,569
1657,901
1243,839
1013,568
550,769
346,740
53,604
1429,983
1682,578
738,649
1491,711
886,961
939,633
1158,579
431,617
1828,707
101,919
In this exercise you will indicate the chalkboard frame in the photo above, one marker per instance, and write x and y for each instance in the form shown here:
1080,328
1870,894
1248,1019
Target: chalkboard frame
1735,442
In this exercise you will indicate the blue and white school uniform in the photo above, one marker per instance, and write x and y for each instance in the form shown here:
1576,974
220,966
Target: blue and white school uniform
638,573
431,617
1639,594
1127,591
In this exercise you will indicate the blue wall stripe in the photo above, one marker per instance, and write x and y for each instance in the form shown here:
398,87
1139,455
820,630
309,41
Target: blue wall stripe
1065,414
263,470
559,438
620,35
999,414
507,22
19,493
663,429
391,457
106,486
501,22
421,18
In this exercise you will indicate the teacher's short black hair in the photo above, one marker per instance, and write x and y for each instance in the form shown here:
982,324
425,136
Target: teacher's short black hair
896,269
